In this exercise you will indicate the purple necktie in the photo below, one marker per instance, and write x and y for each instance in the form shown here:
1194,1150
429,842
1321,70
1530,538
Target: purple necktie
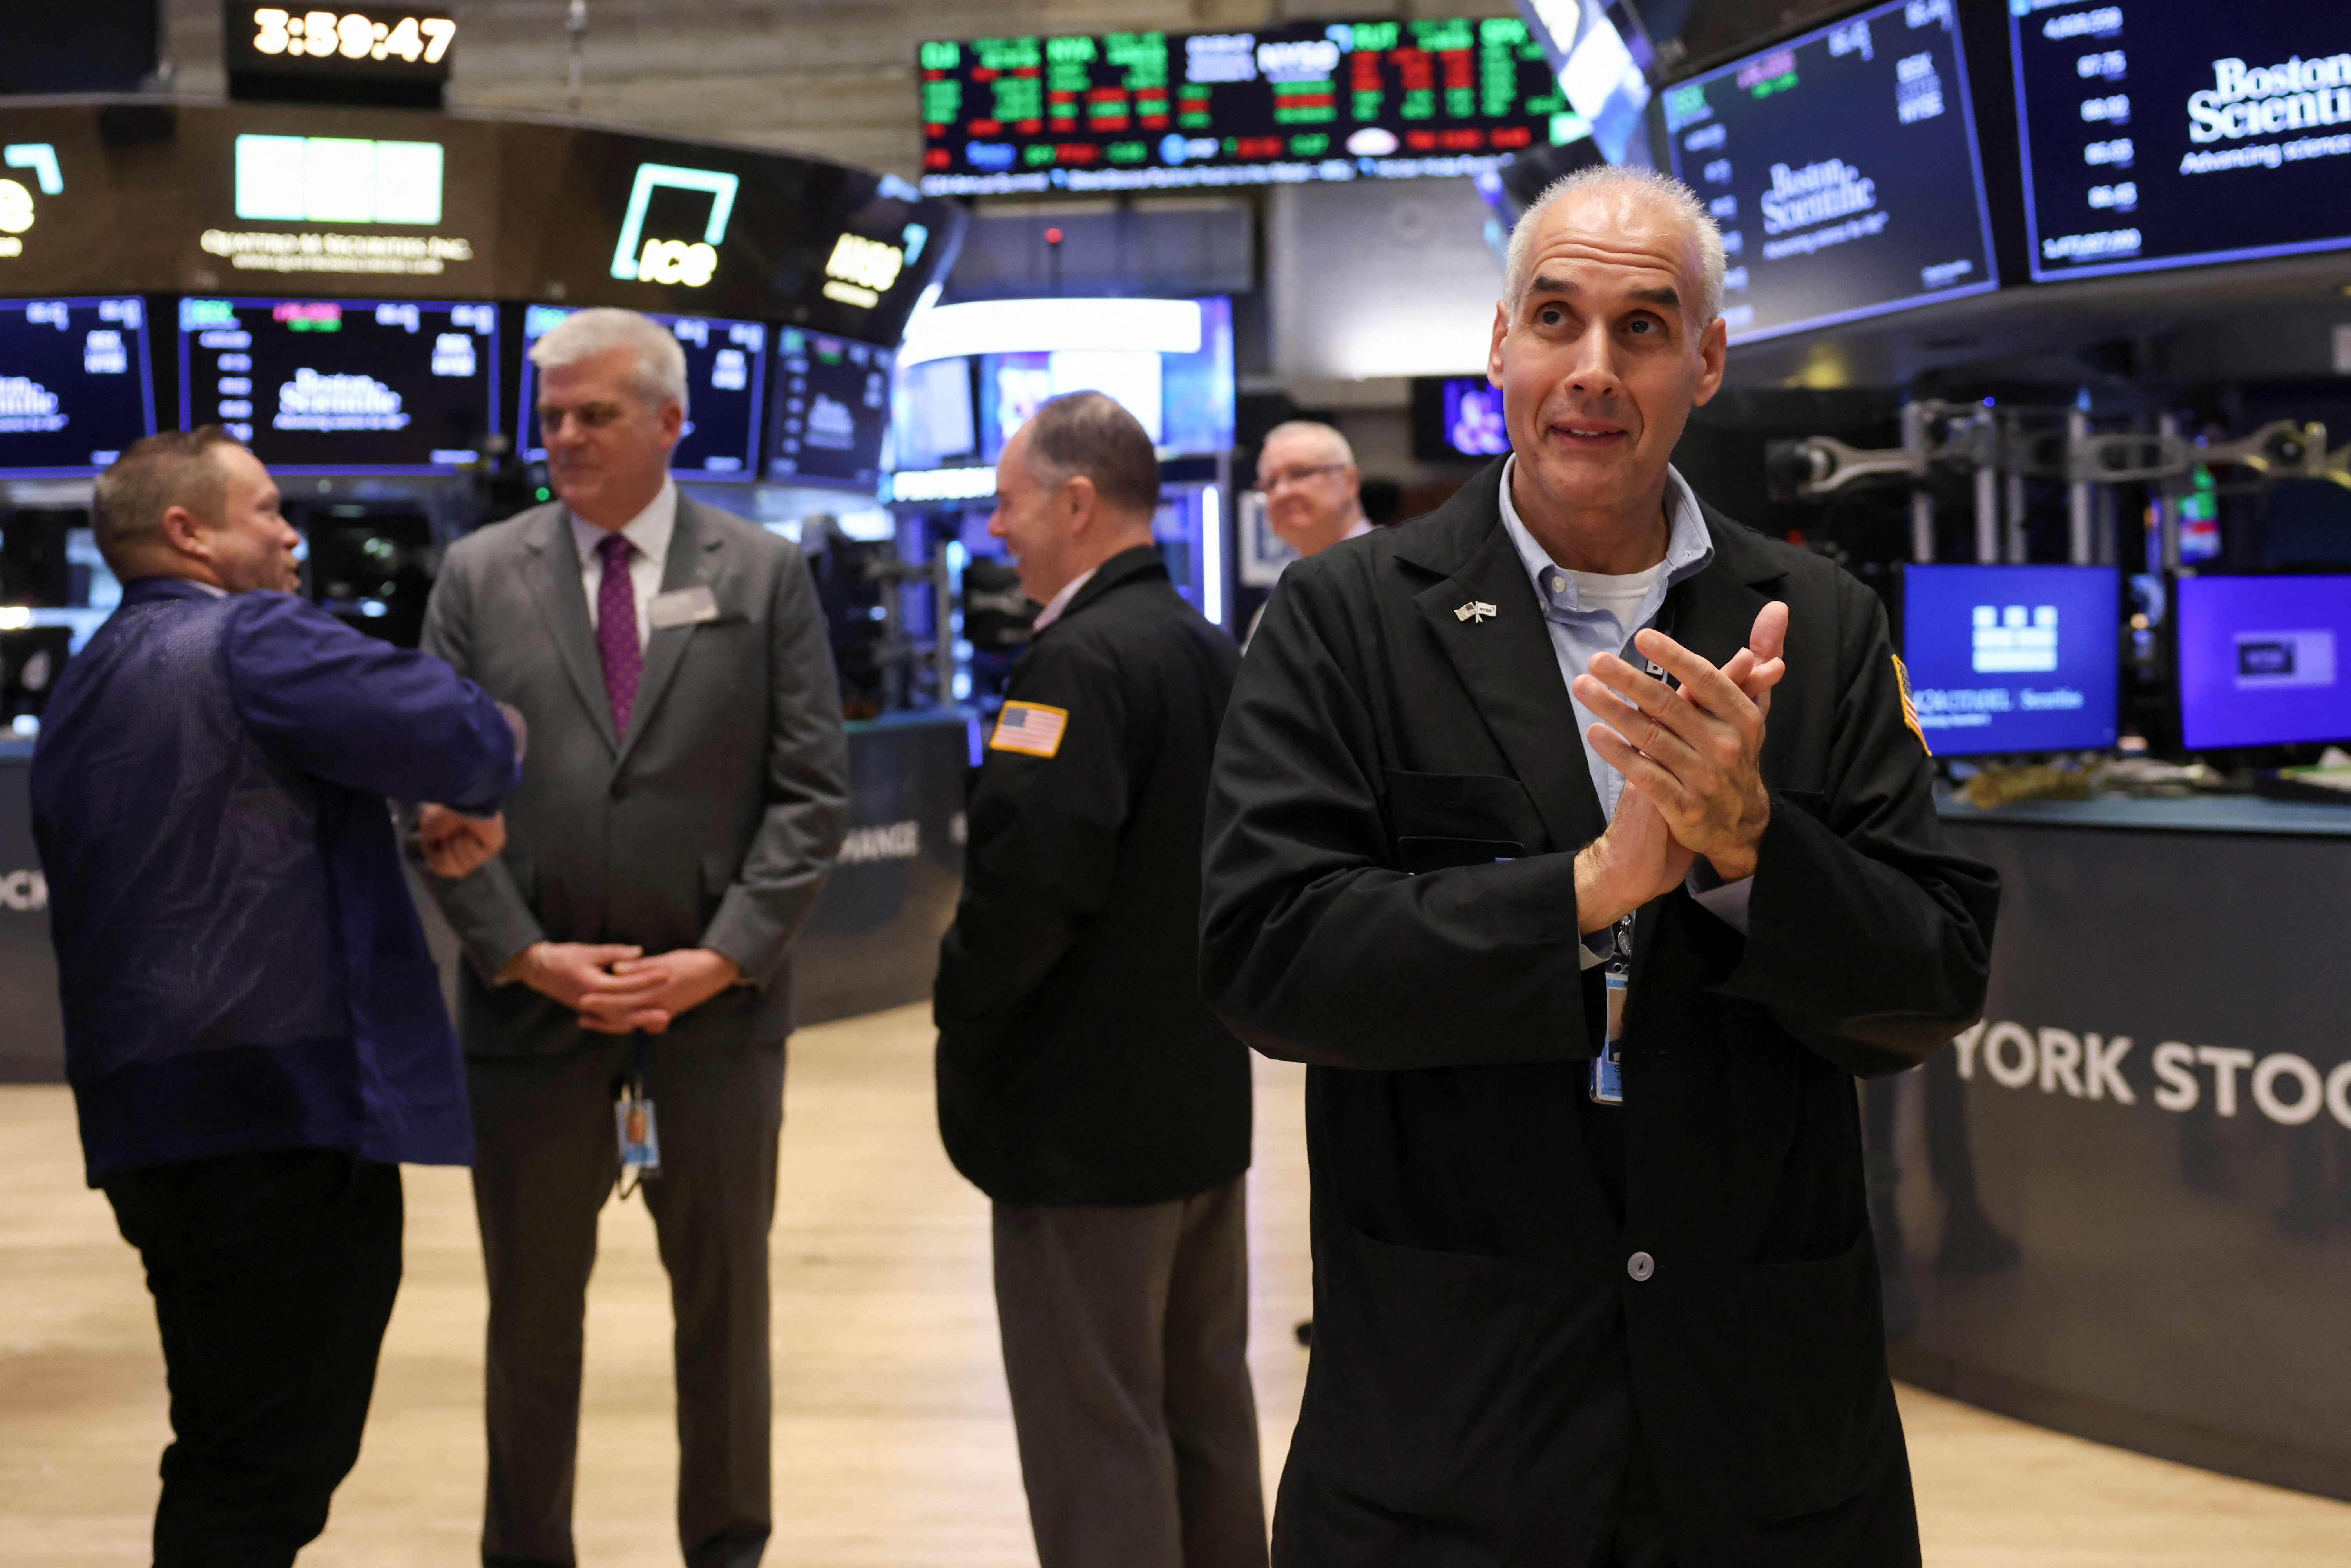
616,630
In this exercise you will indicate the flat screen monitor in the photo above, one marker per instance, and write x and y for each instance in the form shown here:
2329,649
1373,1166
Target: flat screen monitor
1382,98
1456,417
833,409
343,386
725,369
1185,402
2168,132
2012,658
74,387
1841,166
2261,660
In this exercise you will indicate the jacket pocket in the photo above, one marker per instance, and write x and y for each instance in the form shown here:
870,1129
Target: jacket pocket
1474,807
1417,852
1413,1395
1822,1404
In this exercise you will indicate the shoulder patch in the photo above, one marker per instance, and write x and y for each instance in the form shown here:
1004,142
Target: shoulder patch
1031,728
1909,708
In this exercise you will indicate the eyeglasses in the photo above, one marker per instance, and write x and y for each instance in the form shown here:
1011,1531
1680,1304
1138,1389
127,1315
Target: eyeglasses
1270,483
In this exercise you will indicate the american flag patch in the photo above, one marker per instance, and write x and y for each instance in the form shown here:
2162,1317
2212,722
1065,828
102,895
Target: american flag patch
1030,727
1909,708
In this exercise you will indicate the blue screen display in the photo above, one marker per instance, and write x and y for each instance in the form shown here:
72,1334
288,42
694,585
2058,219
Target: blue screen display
1473,417
2261,660
2168,132
1842,167
2012,658
74,390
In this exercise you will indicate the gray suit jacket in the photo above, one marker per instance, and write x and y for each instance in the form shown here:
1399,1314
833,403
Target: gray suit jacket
711,823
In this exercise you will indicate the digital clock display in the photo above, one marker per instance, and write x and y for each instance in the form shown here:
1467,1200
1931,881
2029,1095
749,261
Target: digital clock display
74,389
1304,100
386,55
351,36
338,386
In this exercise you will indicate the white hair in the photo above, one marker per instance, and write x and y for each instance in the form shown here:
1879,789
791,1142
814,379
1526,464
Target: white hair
1328,435
660,373
1689,213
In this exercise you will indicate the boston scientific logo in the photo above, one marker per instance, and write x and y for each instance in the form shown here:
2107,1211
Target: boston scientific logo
1814,194
2255,101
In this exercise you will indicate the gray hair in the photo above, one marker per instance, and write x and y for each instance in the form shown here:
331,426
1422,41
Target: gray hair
660,373
1088,432
155,473
1328,435
1676,198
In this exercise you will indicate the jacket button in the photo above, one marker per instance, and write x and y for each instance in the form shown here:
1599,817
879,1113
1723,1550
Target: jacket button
1640,1265
620,789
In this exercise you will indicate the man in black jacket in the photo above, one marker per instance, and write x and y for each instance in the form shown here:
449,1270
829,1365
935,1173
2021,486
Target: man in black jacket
1083,1085
1594,1279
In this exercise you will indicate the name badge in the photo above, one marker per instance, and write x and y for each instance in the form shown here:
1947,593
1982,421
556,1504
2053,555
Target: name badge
682,607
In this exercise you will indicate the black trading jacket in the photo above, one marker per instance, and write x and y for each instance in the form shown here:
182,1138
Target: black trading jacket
1483,1356
1077,1062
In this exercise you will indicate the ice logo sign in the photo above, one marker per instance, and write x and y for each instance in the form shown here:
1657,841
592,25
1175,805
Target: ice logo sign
691,264
2010,642
2267,659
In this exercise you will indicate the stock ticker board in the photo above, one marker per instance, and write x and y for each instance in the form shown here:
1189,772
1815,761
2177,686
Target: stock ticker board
1306,100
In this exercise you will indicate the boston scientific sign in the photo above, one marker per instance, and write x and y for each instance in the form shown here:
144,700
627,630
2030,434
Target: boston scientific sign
122,196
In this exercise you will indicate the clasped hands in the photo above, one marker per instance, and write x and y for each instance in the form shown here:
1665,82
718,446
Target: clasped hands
1691,761
616,990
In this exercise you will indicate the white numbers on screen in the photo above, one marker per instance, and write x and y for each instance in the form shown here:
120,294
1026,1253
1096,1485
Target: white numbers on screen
351,34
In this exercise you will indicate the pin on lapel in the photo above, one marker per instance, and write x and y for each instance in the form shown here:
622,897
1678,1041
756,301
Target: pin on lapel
1476,610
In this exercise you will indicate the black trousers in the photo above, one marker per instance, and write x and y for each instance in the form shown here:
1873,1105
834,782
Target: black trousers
272,1276
544,1161
1126,1346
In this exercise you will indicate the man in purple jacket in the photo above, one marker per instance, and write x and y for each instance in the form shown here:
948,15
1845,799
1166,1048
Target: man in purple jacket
254,1027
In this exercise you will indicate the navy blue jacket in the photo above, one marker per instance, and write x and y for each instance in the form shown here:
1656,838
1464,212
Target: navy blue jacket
241,966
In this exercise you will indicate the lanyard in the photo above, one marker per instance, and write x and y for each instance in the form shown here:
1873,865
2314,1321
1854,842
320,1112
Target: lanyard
1608,1067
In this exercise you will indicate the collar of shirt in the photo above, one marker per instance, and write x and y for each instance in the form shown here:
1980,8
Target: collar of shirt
1688,548
649,531
1060,602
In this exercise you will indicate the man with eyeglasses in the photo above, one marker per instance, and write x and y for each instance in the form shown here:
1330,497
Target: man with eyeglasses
684,798
1314,491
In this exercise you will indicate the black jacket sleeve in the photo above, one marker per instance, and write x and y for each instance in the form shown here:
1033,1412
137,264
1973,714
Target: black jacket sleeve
1313,947
1868,938
1043,849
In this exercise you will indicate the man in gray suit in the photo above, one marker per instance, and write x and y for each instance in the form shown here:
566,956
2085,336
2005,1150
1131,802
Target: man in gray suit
683,798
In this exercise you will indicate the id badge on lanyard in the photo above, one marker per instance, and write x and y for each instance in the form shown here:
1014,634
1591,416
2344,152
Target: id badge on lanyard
1608,1067
632,1120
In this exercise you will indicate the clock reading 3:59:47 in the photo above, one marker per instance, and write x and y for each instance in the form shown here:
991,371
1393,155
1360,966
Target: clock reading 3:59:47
351,34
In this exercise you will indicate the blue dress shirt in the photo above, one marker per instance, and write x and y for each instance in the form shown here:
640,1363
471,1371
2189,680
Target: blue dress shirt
241,967
1577,634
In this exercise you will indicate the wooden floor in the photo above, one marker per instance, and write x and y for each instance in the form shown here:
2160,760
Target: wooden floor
893,1445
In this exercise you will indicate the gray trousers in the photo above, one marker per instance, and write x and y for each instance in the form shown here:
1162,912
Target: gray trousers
1125,1339
544,1163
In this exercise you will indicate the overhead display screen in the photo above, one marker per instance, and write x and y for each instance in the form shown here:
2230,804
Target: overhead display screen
2012,658
726,367
327,386
1302,101
74,388
1843,168
2262,661
2162,133
833,409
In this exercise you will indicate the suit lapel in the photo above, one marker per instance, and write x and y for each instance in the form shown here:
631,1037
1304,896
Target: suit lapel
696,555
1507,660
555,582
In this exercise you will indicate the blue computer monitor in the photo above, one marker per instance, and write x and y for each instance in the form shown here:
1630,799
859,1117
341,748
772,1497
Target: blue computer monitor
74,388
2012,658
2261,660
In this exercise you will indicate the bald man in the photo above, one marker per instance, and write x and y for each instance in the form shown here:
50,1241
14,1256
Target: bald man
1582,842
1314,491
